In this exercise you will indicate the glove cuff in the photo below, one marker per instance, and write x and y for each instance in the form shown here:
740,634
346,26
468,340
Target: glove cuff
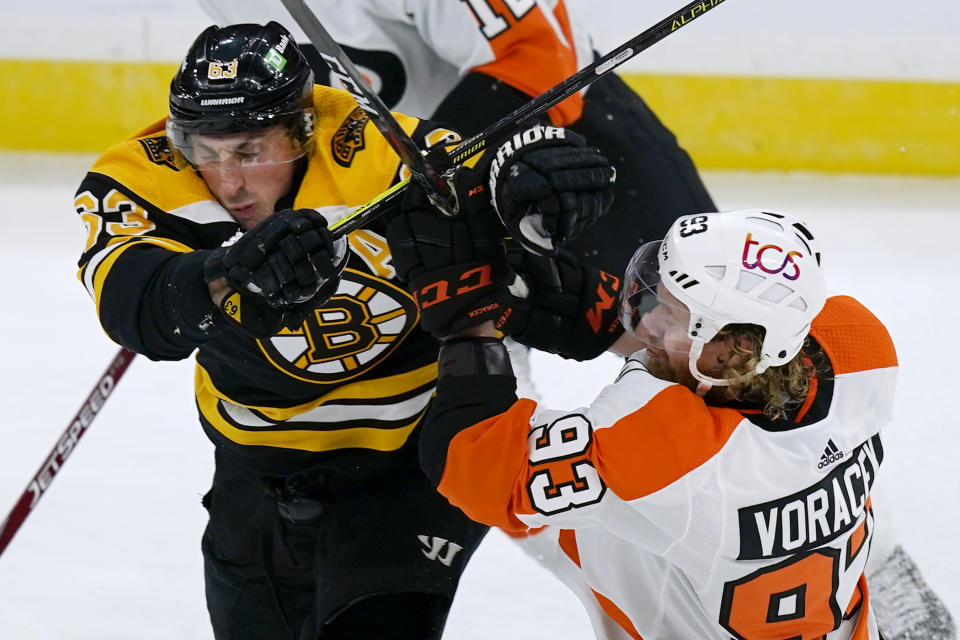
458,296
473,356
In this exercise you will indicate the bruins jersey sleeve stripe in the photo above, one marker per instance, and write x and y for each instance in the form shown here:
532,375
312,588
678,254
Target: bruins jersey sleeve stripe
852,337
95,272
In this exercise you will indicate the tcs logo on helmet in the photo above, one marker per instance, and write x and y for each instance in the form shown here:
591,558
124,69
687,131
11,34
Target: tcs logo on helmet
787,261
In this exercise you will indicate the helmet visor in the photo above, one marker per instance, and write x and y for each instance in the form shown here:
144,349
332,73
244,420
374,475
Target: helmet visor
648,310
205,145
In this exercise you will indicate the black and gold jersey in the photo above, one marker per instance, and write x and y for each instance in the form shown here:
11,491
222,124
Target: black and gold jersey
354,378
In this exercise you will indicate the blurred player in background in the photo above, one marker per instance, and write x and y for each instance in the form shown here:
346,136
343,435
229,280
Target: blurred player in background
470,62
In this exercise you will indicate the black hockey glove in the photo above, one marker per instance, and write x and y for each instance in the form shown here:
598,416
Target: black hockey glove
285,260
454,267
549,185
561,306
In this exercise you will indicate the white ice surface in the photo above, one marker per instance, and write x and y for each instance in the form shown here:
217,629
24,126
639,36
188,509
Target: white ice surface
112,549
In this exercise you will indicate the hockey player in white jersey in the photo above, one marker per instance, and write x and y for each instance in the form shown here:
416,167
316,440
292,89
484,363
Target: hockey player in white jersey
468,63
720,486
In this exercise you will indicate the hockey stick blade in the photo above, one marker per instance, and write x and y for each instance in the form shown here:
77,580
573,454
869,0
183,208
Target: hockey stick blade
65,445
343,70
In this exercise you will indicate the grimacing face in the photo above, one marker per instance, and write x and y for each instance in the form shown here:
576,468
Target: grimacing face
247,172
664,331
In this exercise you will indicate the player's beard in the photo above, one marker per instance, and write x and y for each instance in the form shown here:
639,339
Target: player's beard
661,369
665,370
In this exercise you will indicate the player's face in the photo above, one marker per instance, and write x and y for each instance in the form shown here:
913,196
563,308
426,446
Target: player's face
664,330
247,172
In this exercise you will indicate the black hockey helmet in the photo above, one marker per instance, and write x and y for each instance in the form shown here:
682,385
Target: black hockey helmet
240,78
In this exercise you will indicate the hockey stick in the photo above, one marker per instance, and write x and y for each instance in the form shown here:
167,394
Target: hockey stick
94,402
64,447
477,143
363,214
585,77
343,69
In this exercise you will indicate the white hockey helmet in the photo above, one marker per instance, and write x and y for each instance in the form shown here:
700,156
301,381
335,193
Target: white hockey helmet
735,267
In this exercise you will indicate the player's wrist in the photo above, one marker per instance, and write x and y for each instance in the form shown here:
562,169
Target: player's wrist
483,330
473,356
218,289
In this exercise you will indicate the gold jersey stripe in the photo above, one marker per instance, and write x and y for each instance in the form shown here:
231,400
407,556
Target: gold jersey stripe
306,439
380,390
102,267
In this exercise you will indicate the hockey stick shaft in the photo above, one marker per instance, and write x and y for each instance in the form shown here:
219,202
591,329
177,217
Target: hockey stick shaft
80,422
64,447
363,214
583,78
343,69
586,76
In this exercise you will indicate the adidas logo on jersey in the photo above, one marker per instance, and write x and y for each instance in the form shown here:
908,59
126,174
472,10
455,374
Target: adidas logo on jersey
830,455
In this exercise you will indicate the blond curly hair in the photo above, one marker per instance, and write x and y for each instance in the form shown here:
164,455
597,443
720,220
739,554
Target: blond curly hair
781,390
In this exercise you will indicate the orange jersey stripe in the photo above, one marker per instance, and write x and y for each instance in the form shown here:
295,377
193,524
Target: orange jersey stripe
661,442
618,616
568,543
811,396
642,453
501,443
530,57
852,337
861,631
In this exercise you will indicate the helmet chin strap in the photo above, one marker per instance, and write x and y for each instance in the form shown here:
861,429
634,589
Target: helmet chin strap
704,382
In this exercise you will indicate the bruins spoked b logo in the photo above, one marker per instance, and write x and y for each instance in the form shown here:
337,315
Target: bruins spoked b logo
355,330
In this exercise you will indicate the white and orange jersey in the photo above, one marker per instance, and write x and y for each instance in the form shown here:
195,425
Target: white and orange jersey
414,51
673,519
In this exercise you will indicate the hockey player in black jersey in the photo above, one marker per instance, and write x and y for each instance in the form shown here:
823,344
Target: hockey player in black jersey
207,232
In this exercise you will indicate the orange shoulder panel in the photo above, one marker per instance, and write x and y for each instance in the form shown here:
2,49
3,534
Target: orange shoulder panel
485,473
530,57
852,337
662,441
